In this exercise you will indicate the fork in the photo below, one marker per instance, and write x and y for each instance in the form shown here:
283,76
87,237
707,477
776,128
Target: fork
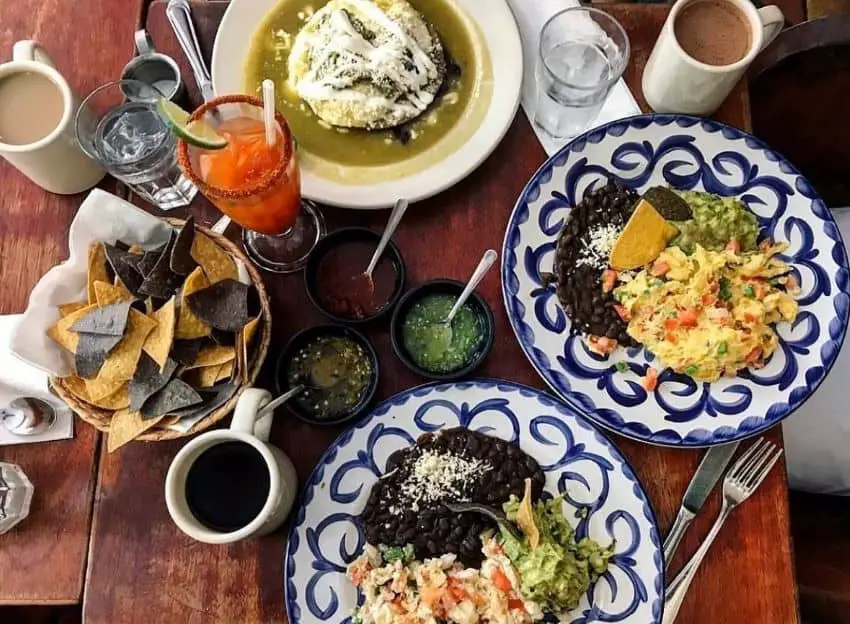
739,483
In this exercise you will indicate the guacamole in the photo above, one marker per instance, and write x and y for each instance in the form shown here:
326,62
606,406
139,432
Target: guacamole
560,570
716,221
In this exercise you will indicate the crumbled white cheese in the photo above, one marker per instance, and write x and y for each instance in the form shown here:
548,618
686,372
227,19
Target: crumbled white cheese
436,476
597,246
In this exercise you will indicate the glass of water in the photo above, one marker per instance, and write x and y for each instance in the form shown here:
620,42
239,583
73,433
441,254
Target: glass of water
582,54
15,496
118,126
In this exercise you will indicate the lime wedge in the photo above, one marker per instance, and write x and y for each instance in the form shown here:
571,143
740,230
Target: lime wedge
198,133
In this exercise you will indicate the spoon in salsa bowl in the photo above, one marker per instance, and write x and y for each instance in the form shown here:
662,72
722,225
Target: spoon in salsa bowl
443,330
395,218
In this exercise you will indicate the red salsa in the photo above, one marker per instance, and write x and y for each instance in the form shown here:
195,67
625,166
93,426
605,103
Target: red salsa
344,290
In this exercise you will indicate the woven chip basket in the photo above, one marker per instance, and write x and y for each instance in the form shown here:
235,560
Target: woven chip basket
99,418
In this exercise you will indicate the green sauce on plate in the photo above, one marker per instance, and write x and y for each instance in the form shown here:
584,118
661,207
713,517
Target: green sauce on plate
431,345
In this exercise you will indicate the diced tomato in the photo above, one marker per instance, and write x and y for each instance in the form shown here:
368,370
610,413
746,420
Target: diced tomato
601,344
750,318
791,283
650,379
430,595
501,581
688,317
623,312
671,323
515,604
609,278
456,591
659,268
754,355
733,246
671,337
708,300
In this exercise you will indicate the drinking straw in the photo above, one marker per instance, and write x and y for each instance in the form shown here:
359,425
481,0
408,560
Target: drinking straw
268,111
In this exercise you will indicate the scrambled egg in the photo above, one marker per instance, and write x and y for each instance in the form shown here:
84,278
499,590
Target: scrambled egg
710,313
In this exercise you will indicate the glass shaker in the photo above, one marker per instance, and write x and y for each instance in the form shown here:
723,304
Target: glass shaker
15,496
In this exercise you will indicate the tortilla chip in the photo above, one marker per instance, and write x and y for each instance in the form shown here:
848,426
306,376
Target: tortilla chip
188,325
203,377
223,305
159,341
127,426
125,267
122,362
148,380
120,286
97,271
243,344
110,320
136,249
185,351
175,395
119,399
61,332
525,518
106,293
91,353
213,355
645,236
167,421
212,400
215,261
69,308
98,389
182,261
225,371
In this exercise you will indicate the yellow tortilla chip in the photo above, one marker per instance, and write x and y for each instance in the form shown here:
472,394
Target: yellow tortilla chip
215,261
101,388
121,363
225,371
106,293
119,399
61,331
127,426
212,356
167,421
159,341
203,377
243,343
189,325
525,518
69,308
96,269
645,236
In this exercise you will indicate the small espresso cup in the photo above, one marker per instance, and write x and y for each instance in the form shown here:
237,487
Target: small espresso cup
246,429
676,82
153,68
55,162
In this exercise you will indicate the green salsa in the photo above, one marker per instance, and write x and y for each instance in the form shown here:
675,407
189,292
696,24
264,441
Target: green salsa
716,221
269,55
431,345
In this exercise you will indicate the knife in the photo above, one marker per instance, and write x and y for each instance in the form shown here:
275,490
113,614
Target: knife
708,473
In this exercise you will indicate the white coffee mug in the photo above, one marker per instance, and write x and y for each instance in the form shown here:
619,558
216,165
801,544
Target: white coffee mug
56,162
675,82
248,429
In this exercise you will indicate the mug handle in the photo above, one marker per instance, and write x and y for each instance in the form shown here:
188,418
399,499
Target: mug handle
144,43
772,23
245,420
29,50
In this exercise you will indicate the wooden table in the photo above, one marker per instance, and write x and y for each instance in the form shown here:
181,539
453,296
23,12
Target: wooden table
139,567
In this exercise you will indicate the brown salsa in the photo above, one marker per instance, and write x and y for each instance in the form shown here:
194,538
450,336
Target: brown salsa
342,287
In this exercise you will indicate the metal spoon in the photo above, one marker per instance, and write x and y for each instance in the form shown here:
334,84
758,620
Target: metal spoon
445,327
26,416
395,218
495,515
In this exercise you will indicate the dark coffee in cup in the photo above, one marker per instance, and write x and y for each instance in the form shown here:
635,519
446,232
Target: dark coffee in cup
227,486
714,32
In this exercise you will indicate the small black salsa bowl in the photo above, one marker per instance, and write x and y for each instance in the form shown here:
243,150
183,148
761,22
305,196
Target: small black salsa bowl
447,287
302,339
336,239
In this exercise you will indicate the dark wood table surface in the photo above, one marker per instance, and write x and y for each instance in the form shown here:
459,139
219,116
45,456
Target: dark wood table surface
99,530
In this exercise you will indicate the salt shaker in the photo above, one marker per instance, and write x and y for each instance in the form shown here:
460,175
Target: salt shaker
15,496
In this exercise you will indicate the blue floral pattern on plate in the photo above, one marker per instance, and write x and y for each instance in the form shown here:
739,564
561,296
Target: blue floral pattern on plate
603,497
687,153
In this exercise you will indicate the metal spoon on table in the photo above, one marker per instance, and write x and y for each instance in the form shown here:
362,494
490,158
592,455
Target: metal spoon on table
444,328
395,218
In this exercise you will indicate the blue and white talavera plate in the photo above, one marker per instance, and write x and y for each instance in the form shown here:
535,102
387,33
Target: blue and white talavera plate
577,459
686,153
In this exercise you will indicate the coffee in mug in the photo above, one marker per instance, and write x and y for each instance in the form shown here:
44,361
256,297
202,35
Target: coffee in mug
704,48
31,107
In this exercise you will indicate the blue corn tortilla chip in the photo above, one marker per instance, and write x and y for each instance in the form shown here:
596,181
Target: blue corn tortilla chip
182,261
213,398
147,261
148,380
125,266
110,320
224,305
223,338
91,353
186,351
175,395
161,282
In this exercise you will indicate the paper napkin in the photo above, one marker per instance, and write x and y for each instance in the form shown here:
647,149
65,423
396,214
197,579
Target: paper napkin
530,16
817,434
18,379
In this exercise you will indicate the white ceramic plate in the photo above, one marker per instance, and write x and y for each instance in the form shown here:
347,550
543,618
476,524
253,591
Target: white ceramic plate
498,32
